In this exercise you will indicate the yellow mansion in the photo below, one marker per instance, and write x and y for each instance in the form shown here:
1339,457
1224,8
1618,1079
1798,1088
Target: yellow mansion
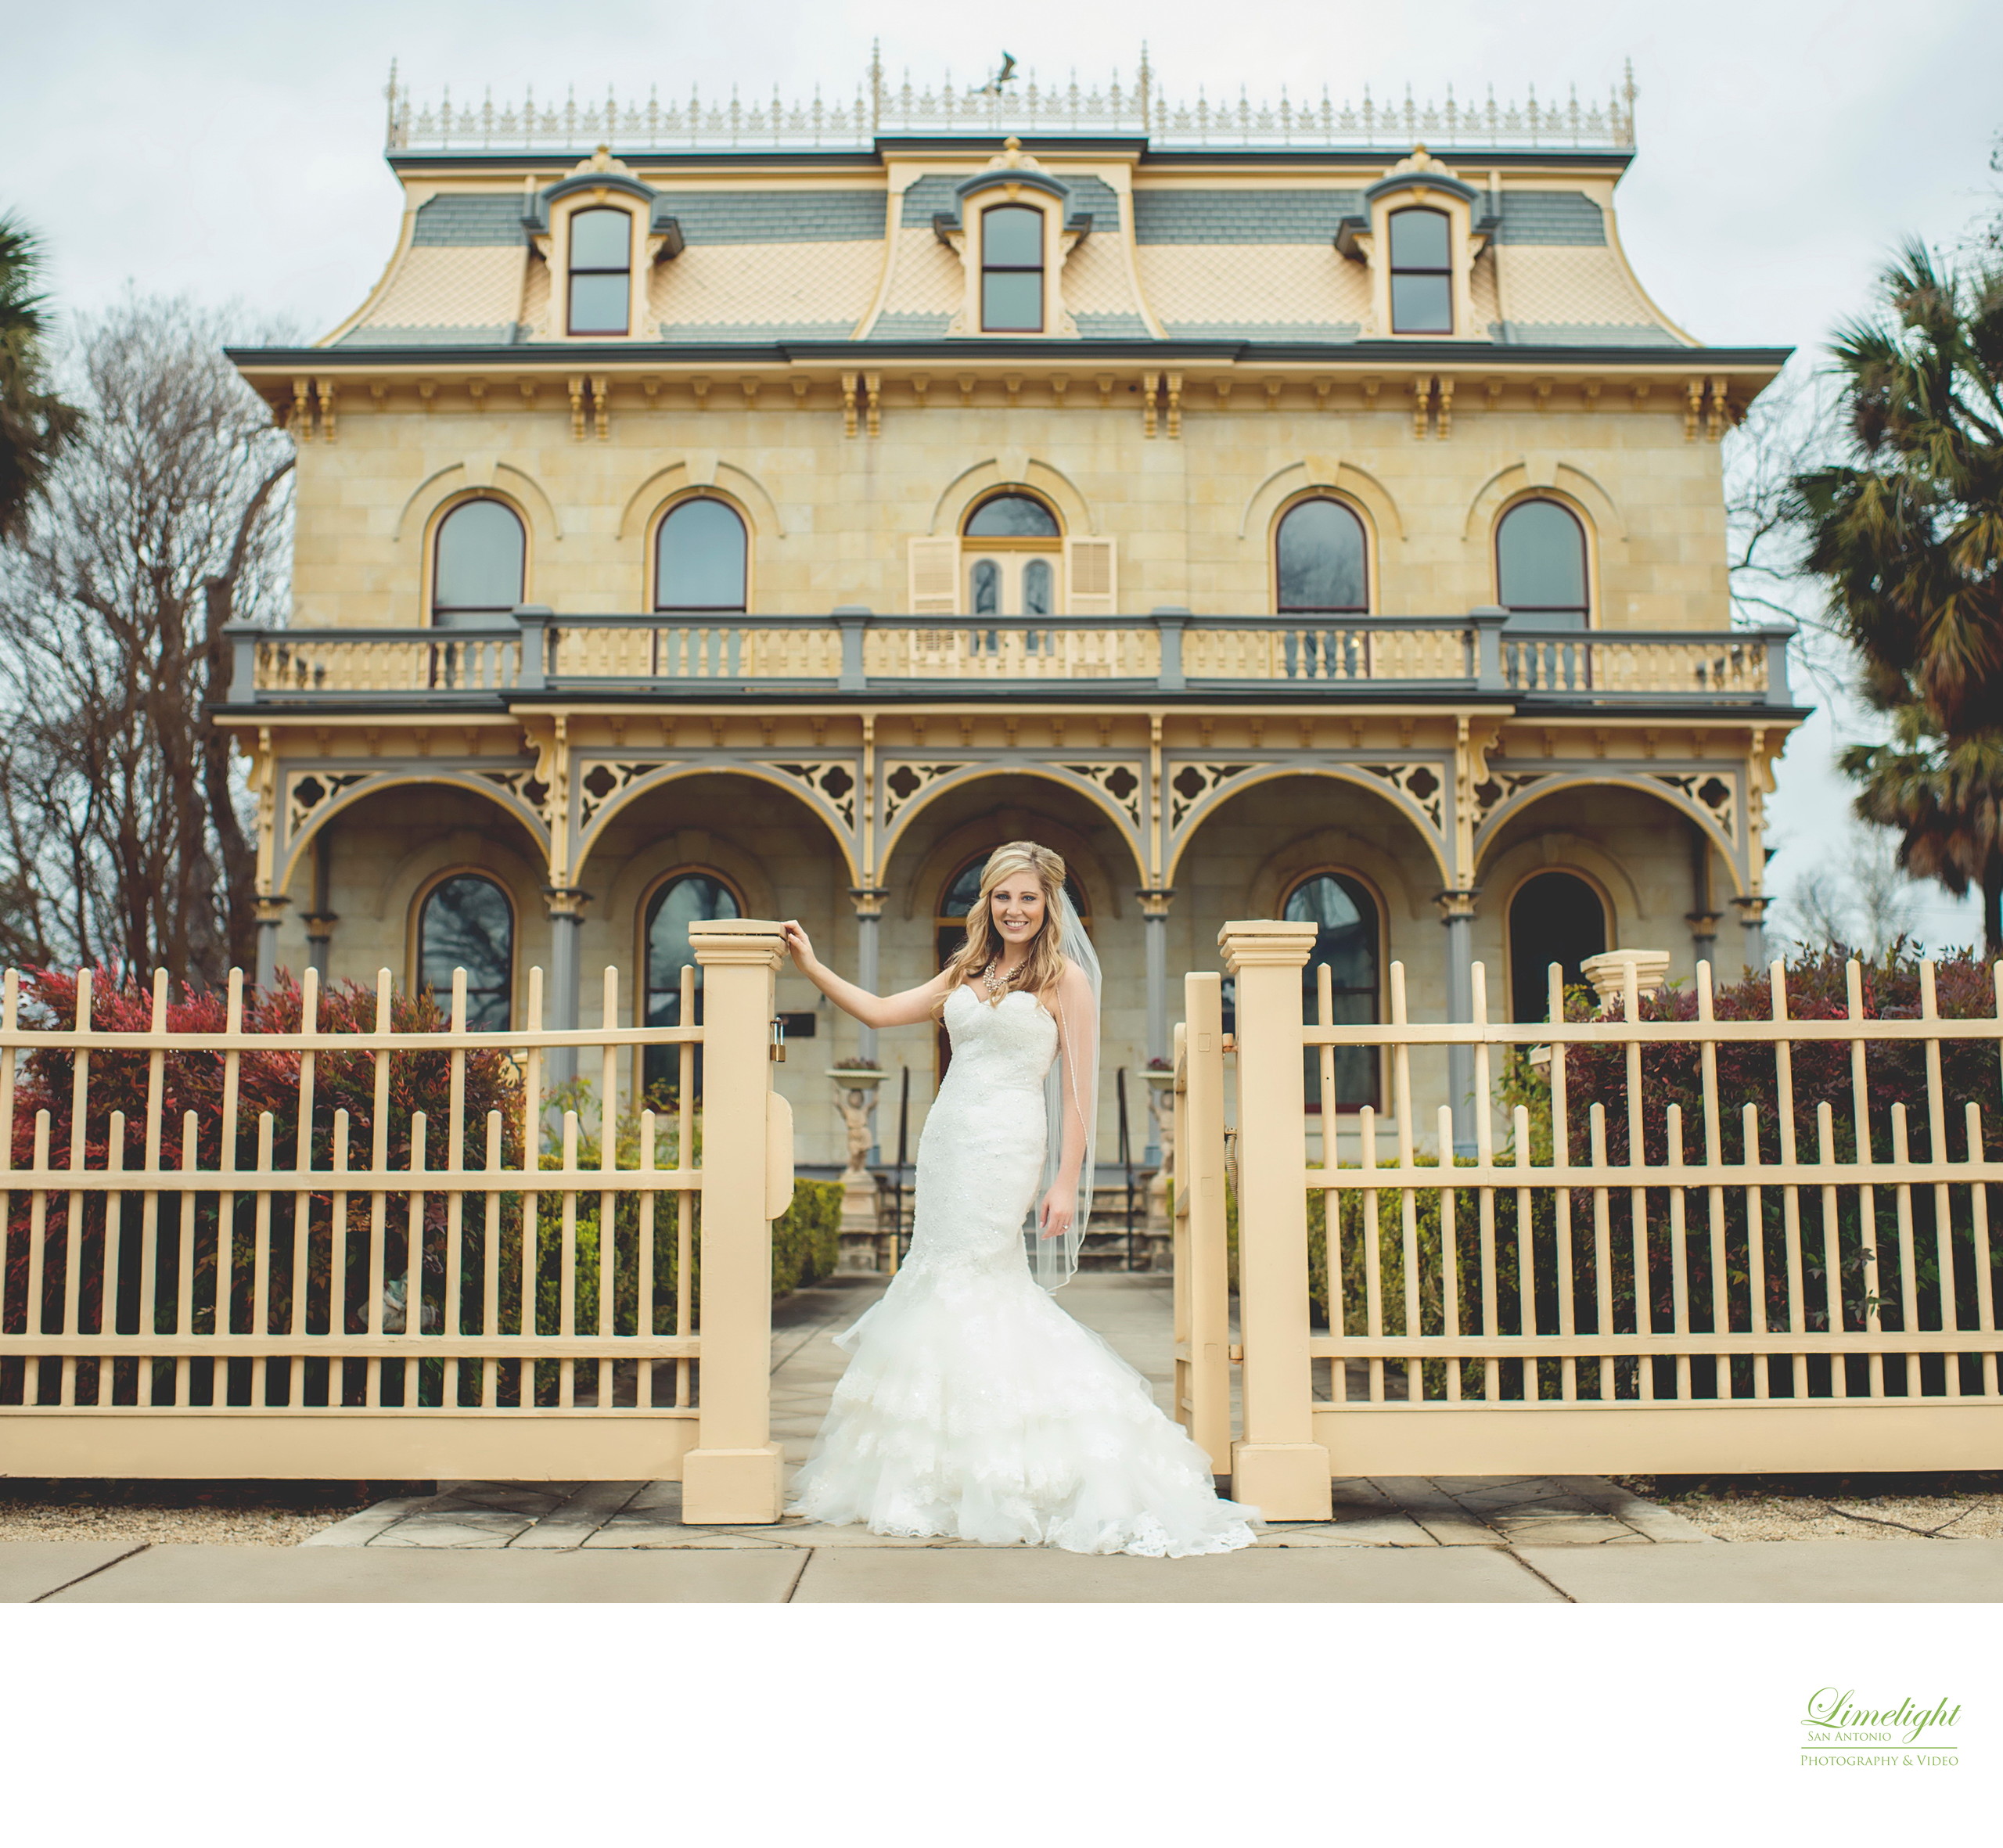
1299,511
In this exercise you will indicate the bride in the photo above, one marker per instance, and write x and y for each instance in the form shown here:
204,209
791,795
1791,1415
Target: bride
973,1405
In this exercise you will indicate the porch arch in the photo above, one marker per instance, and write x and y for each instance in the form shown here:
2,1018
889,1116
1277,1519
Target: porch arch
1385,790
921,799
1513,806
809,796
508,802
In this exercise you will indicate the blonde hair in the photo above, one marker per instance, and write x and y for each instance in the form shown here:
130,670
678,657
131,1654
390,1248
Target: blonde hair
1044,962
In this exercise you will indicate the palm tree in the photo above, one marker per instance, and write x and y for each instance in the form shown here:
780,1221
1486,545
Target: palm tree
34,424
1946,797
1908,536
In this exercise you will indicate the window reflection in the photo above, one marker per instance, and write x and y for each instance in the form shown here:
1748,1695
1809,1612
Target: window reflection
689,898
1540,566
1421,272
1345,944
477,560
468,923
601,270
1320,559
698,557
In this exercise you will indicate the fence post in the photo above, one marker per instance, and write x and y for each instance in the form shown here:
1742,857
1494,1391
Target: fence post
735,1474
1276,1464
1202,1277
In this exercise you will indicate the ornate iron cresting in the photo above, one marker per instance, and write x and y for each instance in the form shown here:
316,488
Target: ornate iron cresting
1023,106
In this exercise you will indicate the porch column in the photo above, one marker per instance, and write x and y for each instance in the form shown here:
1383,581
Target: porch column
321,920
869,903
1703,918
271,912
1752,919
1155,902
1276,1465
1457,913
566,928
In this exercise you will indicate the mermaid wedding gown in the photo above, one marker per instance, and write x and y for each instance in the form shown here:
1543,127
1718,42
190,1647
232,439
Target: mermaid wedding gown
973,1406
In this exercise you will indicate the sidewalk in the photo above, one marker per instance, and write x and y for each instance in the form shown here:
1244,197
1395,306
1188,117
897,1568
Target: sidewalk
1393,1539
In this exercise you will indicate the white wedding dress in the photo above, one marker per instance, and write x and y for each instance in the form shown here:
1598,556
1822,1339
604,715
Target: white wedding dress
974,1406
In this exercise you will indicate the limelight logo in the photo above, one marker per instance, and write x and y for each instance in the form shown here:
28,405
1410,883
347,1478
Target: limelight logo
1839,1729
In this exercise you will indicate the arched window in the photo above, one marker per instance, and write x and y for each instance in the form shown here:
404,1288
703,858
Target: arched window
1421,272
601,270
1012,269
1001,539
478,559
699,557
687,898
1319,559
1540,566
466,923
1555,917
1012,517
1344,914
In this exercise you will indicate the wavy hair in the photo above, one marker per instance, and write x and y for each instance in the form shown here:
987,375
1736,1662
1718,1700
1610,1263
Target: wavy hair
1044,962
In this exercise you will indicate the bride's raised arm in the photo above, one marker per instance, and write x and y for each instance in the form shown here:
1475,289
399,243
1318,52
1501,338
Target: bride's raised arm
907,1009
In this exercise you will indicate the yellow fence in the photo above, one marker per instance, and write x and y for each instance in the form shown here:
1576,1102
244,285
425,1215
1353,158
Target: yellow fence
389,1290
1633,1276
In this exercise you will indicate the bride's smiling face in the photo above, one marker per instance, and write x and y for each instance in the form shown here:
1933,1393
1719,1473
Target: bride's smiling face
1016,907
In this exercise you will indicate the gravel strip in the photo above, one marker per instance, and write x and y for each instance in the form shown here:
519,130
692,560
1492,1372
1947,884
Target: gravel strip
205,1527
1965,1506
1793,1517
239,1513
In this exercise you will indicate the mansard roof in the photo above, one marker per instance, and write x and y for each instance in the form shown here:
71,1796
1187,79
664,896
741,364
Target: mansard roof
1211,225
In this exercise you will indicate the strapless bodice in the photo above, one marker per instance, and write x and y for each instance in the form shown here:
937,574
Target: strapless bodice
1006,1046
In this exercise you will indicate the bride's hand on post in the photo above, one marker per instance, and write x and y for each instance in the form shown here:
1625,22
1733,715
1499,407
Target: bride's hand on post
1058,1210
798,946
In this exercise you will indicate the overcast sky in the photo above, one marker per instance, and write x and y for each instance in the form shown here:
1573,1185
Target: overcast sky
232,150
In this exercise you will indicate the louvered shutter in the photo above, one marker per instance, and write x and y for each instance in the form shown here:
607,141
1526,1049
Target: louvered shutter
935,576
1090,583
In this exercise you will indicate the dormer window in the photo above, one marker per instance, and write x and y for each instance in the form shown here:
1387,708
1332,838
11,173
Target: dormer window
1421,272
1012,270
601,271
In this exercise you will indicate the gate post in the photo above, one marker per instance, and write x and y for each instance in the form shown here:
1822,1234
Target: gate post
1202,1276
1276,1465
735,1474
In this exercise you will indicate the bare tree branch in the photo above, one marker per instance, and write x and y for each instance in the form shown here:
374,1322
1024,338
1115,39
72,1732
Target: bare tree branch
123,834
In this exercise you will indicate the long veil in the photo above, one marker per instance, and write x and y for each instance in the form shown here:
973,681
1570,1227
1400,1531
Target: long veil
1073,1083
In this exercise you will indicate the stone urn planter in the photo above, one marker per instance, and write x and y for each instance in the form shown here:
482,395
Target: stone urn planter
1161,1107
855,1098
1608,973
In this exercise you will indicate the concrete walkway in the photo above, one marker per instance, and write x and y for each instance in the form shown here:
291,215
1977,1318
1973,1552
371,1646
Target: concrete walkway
1393,1540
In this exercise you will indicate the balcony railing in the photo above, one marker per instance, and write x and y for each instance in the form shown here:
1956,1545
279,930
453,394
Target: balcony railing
541,655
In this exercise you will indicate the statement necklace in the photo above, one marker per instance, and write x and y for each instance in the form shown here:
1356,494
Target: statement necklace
995,982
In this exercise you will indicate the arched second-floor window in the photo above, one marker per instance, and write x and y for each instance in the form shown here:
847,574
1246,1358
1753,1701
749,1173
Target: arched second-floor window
478,557
1540,576
700,558
1421,271
692,897
1555,917
1011,544
601,271
1344,913
466,922
1012,269
1320,559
